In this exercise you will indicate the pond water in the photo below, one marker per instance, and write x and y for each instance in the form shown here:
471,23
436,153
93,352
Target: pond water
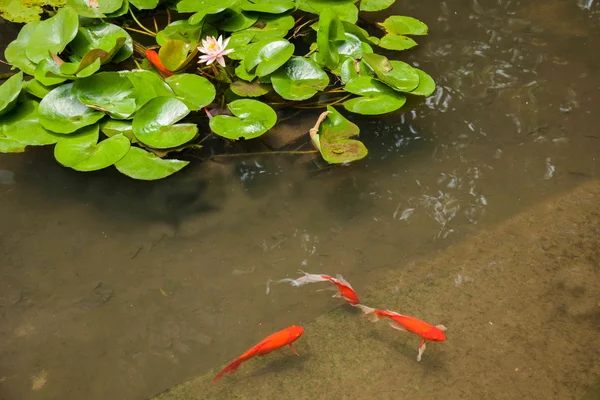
116,289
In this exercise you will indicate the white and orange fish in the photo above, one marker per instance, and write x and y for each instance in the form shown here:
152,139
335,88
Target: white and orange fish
342,286
410,324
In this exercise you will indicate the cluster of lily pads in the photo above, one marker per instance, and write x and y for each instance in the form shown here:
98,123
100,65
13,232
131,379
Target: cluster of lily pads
104,99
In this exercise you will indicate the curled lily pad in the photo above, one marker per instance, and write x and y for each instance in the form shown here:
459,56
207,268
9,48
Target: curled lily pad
332,139
267,6
267,27
60,111
53,34
241,73
352,68
47,72
53,70
251,119
375,5
22,125
112,39
330,29
35,88
176,54
426,84
249,89
110,92
155,123
236,20
143,165
148,86
194,90
15,52
112,127
179,30
268,55
359,33
95,8
82,152
396,74
9,92
299,79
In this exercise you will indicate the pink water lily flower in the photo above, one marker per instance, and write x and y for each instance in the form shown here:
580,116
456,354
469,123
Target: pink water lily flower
214,49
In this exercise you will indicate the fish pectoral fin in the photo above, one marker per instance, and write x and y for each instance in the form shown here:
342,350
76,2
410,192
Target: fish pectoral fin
293,350
421,349
441,327
396,325
328,288
338,295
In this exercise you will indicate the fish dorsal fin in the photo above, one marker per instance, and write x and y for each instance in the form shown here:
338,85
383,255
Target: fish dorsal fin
396,325
256,349
441,327
341,280
394,313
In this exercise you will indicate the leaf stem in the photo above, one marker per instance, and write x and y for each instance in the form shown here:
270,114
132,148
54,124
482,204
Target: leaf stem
138,31
140,25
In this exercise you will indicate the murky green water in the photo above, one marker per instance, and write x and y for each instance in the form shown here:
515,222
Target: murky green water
114,289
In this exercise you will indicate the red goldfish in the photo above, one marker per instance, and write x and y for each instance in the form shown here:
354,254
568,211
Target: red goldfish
411,324
267,345
344,290
155,60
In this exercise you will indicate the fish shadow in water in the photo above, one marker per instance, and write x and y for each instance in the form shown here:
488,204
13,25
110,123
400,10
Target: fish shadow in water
282,363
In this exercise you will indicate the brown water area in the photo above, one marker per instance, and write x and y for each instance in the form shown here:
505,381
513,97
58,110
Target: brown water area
117,289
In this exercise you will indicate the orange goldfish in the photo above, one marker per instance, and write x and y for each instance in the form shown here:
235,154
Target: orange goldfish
155,60
343,287
411,324
267,345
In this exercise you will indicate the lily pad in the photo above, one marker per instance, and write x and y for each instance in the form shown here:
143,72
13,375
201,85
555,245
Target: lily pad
359,33
399,25
35,88
22,125
114,40
267,27
95,8
330,29
9,92
375,5
333,139
155,123
267,6
60,111
112,127
148,86
299,79
195,91
236,20
352,68
180,30
268,55
426,84
144,4
249,89
176,54
317,6
241,73
52,35
110,92
375,105
49,73
11,146
43,73
202,8
15,52
143,165
396,74
396,42
251,119
82,152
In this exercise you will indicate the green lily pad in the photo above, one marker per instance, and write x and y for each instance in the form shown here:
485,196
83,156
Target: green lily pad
267,6
268,55
143,165
15,52
124,9
110,92
20,11
330,29
9,92
47,72
82,152
236,20
155,123
333,139
144,4
239,43
396,42
375,5
11,146
426,84
351,46
22,125
95,8
52,35
251,119
114,40
35,88
148,85
202,8
399,25
375,105
318,6
249,89
60,111
112,127
195,91
299,79
267,27
396,74
348,70
179,30
176,54
359,33
241,73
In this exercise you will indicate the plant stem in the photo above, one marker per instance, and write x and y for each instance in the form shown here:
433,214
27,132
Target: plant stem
155,24
138,31
168,17
140,25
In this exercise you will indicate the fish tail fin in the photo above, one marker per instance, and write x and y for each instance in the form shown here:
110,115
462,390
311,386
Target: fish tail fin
230,368
371,312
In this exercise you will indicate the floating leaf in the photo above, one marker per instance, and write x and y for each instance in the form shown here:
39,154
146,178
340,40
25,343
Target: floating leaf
376,97
330,29
239,43
15,52
22,125
359,33
82,152
154,124
179,30
110,92
60,111
267,27
268,55
375,5
247,89
21,11
237,20
115,41
9,92
396,42
333,139
148,86
267,6
426,84
111,127
399,25
95,8
396,74
140,164
241,73
144,4
251,119
176,54
202,8
351,69
49,73
195,91
11,146
52,35
299,79
318,6
43,73
35,88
